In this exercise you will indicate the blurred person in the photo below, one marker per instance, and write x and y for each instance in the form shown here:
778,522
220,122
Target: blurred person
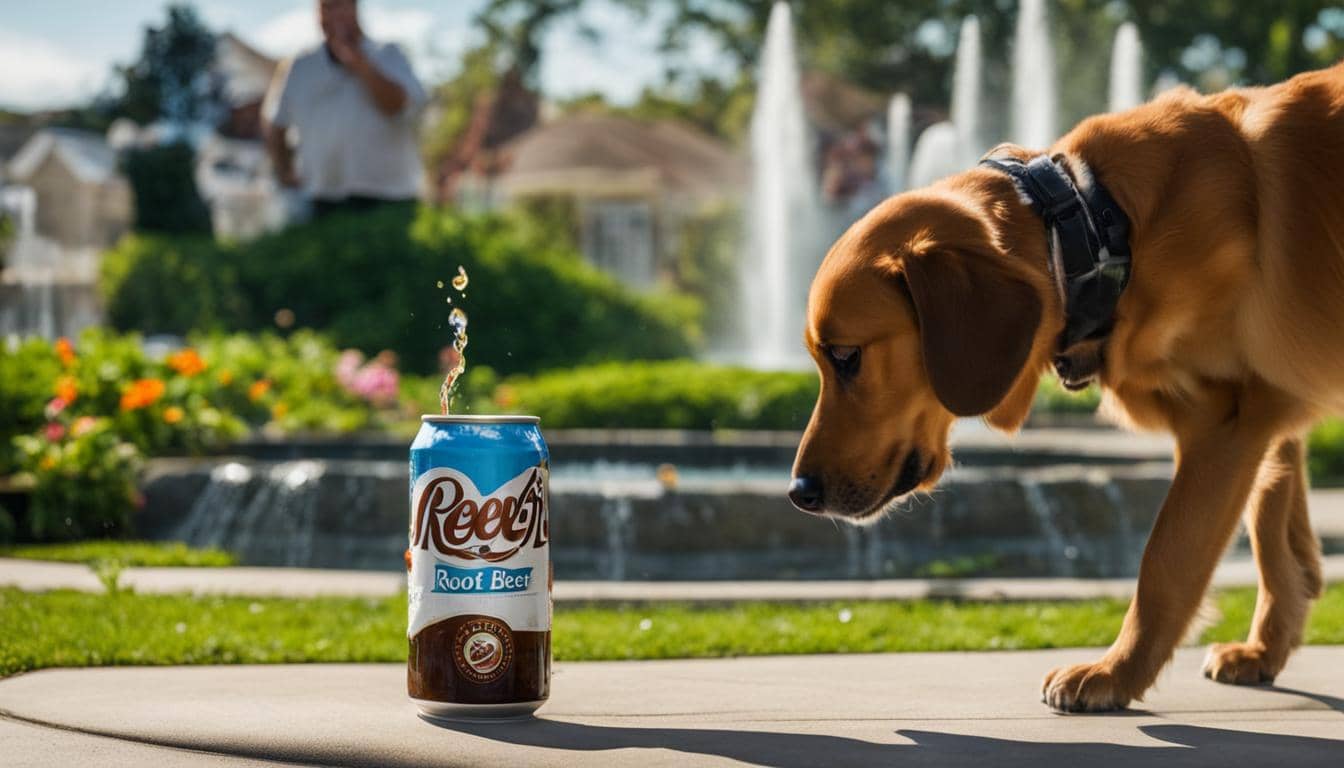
341,119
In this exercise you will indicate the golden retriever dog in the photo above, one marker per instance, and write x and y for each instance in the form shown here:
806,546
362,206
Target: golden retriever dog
940,303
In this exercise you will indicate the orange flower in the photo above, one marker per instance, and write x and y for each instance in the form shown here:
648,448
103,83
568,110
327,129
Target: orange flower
258,389
278,411
142,393
67,389
225,377
65,351
187,362
172,414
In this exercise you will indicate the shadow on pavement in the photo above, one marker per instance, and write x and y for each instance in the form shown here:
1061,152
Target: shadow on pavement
1191,746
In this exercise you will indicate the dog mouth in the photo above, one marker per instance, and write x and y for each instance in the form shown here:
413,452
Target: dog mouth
915,470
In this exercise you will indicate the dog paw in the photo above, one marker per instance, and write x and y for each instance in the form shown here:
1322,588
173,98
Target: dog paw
1084,688
1239,664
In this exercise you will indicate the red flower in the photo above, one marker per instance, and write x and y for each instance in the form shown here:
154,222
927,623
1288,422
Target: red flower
55,431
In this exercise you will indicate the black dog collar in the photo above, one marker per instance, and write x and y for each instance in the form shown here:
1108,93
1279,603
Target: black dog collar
1088,237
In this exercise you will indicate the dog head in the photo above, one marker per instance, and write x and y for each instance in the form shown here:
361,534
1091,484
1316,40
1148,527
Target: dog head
918,315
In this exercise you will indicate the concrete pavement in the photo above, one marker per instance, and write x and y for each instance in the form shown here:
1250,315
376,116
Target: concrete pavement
900,709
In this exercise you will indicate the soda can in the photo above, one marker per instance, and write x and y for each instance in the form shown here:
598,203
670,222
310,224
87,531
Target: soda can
479,568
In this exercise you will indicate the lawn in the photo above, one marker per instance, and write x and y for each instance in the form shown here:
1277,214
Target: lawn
124,553
77,629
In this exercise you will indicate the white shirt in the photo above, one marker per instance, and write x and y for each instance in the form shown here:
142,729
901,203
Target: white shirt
345,145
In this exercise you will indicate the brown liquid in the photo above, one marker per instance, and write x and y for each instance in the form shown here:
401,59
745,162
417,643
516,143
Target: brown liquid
432,672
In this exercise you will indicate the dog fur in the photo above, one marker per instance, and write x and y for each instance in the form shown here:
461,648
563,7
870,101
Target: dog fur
1230,336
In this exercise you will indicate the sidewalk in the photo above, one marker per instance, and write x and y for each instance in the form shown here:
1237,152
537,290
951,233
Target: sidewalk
945,709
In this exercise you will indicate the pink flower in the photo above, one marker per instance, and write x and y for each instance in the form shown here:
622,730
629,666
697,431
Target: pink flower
83,426
376,383
55,406
55,431
347,366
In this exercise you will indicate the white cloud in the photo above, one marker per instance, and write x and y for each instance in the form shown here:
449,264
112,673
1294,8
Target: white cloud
43,75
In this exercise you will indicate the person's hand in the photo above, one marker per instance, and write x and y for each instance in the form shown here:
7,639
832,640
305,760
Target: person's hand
288,178
347,49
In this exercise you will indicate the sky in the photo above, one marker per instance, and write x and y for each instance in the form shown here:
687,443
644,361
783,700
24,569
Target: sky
58,53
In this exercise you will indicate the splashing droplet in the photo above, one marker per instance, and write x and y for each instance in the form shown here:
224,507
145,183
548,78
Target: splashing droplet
439,283
455,358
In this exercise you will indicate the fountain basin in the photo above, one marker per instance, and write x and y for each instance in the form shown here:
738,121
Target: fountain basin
618,522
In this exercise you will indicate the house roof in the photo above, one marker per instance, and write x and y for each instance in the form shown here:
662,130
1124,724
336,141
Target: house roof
611,154
87,155
246,72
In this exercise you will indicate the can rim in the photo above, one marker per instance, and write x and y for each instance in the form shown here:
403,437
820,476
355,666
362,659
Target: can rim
476,418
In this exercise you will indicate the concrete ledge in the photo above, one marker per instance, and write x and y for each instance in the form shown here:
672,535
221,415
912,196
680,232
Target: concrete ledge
900,709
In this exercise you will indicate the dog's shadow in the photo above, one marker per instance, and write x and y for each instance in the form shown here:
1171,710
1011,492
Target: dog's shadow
1185,745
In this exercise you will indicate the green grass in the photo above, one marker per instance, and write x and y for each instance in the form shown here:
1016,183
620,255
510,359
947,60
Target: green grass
124,553
76,629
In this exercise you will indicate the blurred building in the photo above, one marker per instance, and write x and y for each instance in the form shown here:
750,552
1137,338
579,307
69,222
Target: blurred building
82,200
233,170
629,185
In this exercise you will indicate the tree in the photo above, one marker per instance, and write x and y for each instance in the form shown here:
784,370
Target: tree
171,80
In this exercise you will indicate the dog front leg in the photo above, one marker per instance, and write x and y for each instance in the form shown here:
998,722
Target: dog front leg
1216,468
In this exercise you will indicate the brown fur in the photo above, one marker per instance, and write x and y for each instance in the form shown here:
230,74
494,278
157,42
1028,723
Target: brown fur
1229,336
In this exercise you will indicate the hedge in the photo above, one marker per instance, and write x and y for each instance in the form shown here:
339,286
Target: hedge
372,281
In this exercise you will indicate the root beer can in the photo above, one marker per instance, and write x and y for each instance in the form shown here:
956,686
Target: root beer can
479,568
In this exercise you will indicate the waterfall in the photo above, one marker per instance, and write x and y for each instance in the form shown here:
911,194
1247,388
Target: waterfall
898,143
1035,101
781,252
1126,69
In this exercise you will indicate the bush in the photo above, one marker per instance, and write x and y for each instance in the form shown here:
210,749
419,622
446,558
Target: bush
680,394
371,281
172,284
1325,453
163,179
83,481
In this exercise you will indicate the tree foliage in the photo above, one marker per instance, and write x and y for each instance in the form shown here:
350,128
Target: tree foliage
171,78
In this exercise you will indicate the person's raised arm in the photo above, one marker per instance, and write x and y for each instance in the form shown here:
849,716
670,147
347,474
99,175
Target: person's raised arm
387,94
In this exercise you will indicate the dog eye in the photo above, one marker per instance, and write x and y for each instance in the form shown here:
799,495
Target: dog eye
845,359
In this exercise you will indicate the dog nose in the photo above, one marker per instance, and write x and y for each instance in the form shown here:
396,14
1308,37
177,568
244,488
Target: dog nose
805,493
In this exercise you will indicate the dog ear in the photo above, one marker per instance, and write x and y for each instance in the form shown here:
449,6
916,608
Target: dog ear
977,324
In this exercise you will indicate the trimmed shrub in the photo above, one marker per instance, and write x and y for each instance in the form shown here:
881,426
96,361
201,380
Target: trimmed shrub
679,394
372,281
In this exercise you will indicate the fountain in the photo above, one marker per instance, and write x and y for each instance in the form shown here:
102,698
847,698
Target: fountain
966,93
898,143
952,146
1035,101
1126,69
781,253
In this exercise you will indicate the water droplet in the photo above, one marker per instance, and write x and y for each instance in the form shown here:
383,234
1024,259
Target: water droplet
460,281
845,615
645,625
439,284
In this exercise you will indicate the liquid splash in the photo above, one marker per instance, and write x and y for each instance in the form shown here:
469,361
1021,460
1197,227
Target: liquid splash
457,364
